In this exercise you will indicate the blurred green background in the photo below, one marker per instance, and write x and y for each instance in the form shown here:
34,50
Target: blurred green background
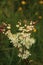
11,11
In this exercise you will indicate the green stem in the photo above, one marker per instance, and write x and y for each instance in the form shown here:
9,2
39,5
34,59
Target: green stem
11,57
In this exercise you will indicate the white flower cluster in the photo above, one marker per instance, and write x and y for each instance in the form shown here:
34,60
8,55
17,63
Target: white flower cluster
25,28
22,40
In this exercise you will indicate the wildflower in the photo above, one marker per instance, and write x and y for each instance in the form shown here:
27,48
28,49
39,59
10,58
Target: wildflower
17,26
25,25
20,55
22,40
19,45
19,23
20,49
31,23
21,28
9,26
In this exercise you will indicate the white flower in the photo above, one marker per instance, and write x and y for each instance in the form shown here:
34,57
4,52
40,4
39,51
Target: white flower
9,26
31,23
29,28
20,49
15,44
4,24
22,40
21,28
17,26
25,25
26,54
20,37
27,46
19,45
32,40
28,42
20,55
9,34
19,23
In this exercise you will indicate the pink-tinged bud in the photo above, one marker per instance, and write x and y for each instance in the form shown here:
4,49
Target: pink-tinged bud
27,27
34,23
1,27
1,30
